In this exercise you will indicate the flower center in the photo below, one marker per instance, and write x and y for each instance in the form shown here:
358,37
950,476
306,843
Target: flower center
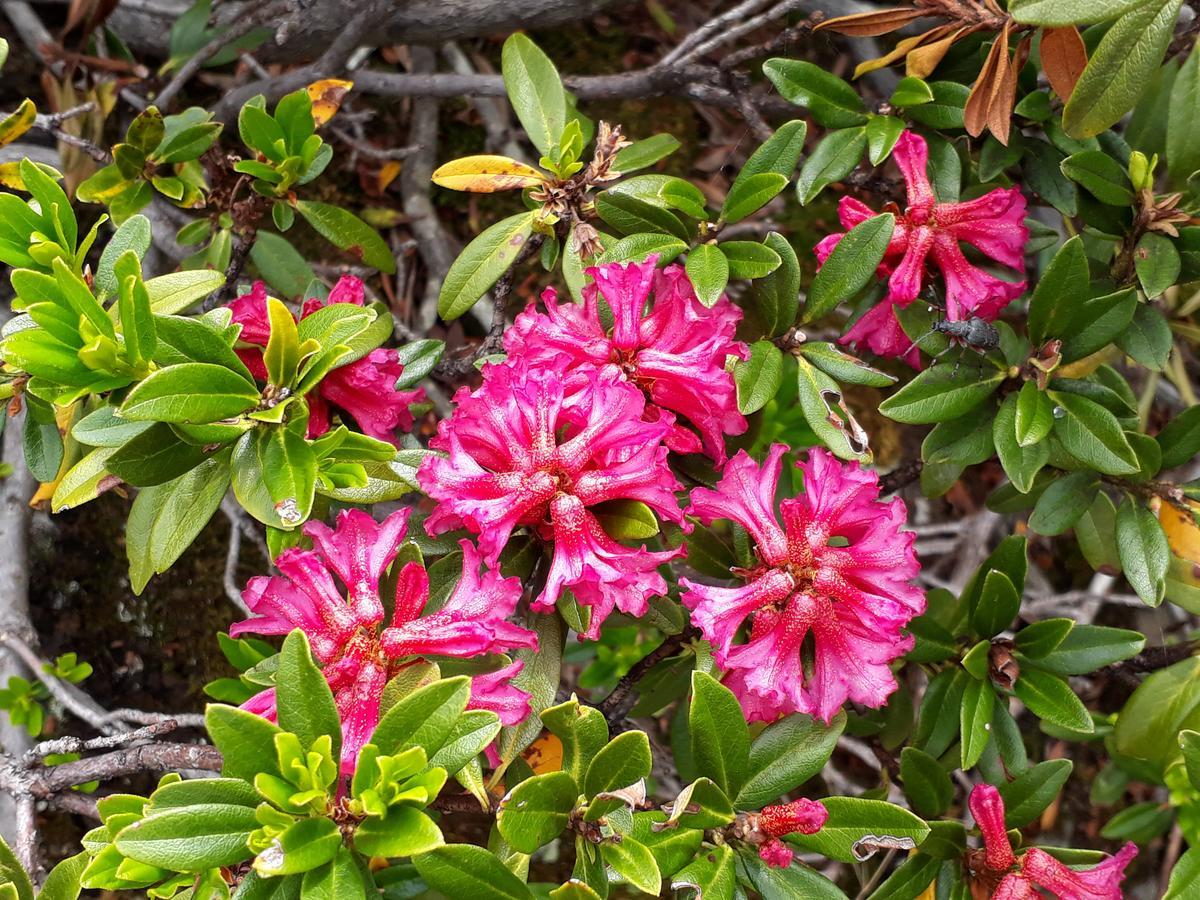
919,215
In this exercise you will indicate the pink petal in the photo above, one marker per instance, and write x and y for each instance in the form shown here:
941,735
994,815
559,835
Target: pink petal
912,156
366,389
359,550
494,692
1101,882
746,495
988,809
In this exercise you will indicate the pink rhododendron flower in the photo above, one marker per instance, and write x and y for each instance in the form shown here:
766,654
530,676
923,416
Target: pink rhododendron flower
1018,878
774,822
931,231
540,448
365,388
674,351
839,567
345,625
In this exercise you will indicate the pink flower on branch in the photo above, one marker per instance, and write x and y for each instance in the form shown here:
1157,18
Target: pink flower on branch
929,232
674,351
1019,877
345,625
365,388
775,822
833,563
543,449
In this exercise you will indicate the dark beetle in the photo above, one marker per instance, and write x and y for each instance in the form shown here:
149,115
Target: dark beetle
974,332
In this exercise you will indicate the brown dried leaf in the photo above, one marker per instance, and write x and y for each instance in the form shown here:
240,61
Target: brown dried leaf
1063,58
977,115
922,62
871,24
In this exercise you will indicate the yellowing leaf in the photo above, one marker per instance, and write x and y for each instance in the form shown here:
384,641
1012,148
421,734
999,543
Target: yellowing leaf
326,96
487,174
18,123
387,173
1183,534
545,754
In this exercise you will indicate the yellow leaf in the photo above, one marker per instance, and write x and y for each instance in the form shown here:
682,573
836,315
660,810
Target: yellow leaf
487,174
18,123
1183,534
388,172
326,97
545,754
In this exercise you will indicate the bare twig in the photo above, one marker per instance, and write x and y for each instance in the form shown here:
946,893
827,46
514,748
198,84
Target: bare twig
621,699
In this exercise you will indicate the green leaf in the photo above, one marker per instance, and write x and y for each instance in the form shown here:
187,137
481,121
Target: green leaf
134,234
348,232
998,605
832,160
1050,698
910,91
785,755
711,874
645,152
850,267
1157,263
882,134
720,740
634,862
623,762
1120,67
843,367
975,716
463,870
1063,503
1167,702
246,741
636,247
1059,292
154,457
821,403
780,153
582,731
176,291
945,110
832,102
1091,647
1140,823
166,518
749,259
1185,877
758,377
340,879
1068,12
424,718
1189,743
540,678
797,880
631,215
63,881
851,819
1027,795
939,394
83,481
1180,438
777,296
926,784
748,195
1034,415
403,831
1092,435
290,473
1142,546
191,393
190,839
1183,130
535,91
627,520
304,845
281,265
708,271
12,872
537,810
302,695
1042,638
1101,175
482,263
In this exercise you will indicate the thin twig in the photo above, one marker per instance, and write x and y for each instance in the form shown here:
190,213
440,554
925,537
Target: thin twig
620,701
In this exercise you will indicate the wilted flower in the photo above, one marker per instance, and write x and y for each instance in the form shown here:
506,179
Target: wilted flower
674,352
775,822
364,388
343,626
838,568
540,448
1010,877
993,224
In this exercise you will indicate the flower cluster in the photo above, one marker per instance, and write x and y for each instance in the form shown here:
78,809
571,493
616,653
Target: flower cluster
993,224
582,415
1009,877
838,568
364,388
345,626
675,352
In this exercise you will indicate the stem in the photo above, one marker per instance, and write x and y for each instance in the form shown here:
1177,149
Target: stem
620,701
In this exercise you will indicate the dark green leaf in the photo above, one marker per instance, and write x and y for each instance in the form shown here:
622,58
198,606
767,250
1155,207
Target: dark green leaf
1027,795
1143,549
832,102
850,267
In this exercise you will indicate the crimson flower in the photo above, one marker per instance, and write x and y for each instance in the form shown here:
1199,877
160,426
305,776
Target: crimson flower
839,568
1010,877
540,448
343,625
775,822
364,388
675,351
993,224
